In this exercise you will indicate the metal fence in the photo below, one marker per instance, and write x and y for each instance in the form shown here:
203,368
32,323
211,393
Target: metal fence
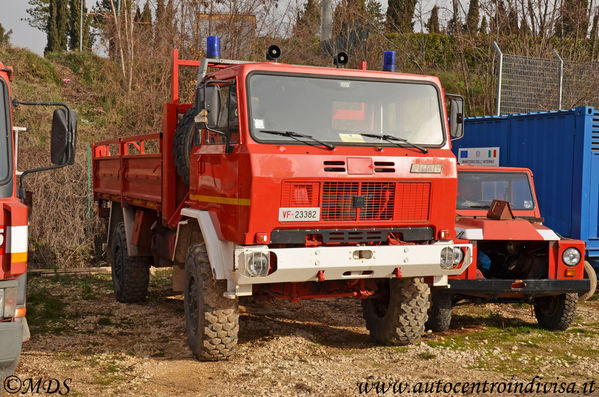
527,84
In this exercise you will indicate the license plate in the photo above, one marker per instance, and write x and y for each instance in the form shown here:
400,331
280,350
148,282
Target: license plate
309,214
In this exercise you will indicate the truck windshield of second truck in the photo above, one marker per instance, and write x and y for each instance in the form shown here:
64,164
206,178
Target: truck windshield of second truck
344,111
477,190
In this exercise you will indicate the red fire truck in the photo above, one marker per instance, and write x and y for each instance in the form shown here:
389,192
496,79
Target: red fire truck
517,258
15,202
289,182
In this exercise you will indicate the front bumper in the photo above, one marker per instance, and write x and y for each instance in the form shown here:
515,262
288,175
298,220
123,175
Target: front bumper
11,337
349,262
522,287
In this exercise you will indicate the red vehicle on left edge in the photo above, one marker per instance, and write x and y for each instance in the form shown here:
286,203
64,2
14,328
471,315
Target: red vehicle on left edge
15,202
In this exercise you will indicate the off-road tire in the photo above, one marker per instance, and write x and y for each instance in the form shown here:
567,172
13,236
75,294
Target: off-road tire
439,312
183,142
589,273
396,314
130,274
212,320
556,313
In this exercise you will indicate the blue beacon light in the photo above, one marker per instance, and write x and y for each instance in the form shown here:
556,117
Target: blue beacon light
389,61
213,47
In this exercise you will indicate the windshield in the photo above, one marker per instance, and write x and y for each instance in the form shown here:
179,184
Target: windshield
340,110
477,190
4,132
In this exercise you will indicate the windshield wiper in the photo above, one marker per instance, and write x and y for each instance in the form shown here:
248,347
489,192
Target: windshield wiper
394,139
297,136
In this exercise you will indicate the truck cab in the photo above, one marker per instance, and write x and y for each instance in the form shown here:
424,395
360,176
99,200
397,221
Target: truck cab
14,210
518,259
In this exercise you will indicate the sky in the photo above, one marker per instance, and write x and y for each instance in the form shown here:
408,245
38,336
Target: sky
12,15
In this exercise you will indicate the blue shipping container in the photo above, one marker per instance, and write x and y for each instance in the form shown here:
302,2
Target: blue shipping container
562,150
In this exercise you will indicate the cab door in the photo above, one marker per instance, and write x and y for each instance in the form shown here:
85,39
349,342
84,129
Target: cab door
217,187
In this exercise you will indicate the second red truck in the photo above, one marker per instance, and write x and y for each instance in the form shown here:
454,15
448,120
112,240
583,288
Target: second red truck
517,259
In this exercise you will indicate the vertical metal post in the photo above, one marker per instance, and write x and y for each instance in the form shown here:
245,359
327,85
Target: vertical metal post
81,28
561,79
499,73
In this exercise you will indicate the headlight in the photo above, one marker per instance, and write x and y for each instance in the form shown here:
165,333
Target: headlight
571,256
257,264
458,255
447,258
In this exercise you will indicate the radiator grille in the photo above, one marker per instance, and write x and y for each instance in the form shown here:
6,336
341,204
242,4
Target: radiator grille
379,200
361,201
300,194
337,201
413,201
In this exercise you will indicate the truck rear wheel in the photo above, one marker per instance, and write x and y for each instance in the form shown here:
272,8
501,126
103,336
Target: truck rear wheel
439,313
212,320
183,143
556,313
130,274
396,314
589,273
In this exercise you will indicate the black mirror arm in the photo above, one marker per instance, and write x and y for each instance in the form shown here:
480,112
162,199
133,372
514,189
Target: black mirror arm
21,191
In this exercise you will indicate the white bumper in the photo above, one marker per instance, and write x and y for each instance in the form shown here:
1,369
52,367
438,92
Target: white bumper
348,262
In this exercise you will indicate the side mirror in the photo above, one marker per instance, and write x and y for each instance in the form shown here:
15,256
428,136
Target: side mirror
208,105
456,116
63,137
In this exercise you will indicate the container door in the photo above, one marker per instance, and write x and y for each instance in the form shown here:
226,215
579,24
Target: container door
593,241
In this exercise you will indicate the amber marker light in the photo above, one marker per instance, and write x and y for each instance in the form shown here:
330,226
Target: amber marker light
261,238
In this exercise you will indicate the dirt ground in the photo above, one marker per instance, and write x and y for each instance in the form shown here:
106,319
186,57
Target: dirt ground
81,335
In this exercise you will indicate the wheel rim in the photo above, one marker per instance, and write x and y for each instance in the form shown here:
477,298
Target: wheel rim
191,305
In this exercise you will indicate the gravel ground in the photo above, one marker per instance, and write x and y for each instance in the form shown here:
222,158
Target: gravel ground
318,347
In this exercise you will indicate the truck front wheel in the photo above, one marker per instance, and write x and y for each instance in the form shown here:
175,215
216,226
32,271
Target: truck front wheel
439,313
212,320
556,313
130,274
396,314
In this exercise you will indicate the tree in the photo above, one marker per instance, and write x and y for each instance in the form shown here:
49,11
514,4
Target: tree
4,36
483,26
433,22
346,15
308,19
62,23
453,26
400,14
374,10
145,21
594,26
573,20
57,26
38,14
513,27
472,17
501,18
75,26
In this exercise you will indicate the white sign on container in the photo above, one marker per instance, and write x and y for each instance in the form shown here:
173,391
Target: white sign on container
488,156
